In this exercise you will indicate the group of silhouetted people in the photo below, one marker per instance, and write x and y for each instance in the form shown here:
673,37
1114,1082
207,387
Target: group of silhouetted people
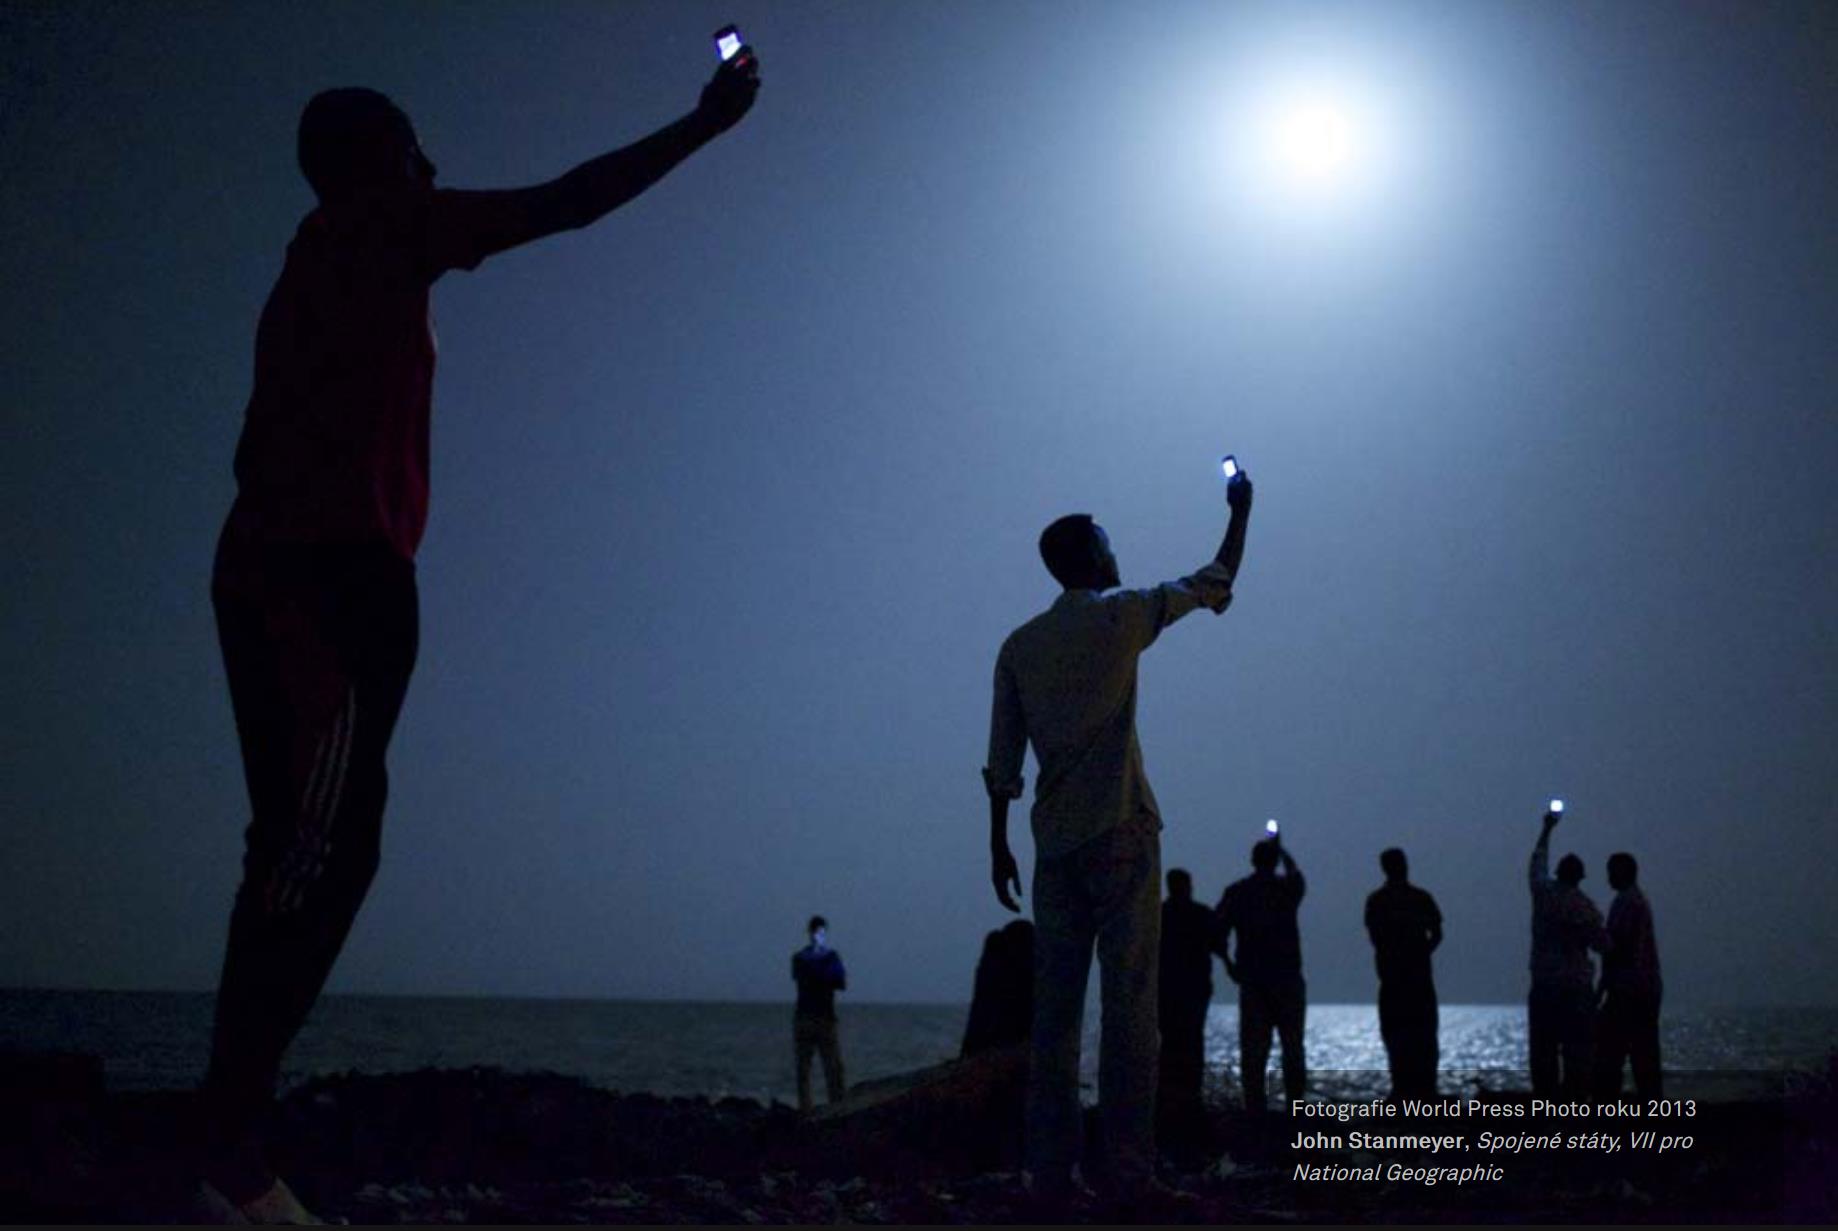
315,594
1580,1031
1254,932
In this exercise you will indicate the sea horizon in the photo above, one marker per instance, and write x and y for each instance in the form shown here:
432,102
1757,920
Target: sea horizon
160,1040
1222,996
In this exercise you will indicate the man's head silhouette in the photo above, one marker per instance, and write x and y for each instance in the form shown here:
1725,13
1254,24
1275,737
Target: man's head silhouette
353,140
1396,866
1264,855
1077,552
1569,870
1180,885
1622,870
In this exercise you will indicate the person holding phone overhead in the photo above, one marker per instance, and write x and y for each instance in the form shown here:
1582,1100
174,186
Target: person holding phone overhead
1560,1008
314,578
1065,682
1266,964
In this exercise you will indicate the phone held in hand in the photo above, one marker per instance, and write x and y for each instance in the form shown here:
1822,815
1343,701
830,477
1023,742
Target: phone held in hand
1557,807
1270,827
728,42
1228,466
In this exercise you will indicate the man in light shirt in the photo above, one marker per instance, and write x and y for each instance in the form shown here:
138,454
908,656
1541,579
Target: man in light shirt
1066,682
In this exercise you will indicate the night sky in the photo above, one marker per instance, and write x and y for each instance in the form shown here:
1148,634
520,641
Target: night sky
736,494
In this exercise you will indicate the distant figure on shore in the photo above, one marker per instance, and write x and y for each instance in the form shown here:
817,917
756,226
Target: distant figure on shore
1002,1004
817,970
1560,1011
1190,938
1066,682
314,579
1628,1021
1267,967
1405,927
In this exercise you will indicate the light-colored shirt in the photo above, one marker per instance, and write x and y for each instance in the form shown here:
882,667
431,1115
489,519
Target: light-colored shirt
1565,926
1066,682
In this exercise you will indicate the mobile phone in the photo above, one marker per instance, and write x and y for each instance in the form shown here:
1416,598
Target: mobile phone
1270,827
1228,465
728,42
1557,807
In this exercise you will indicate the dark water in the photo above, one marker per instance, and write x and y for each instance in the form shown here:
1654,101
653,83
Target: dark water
154,1040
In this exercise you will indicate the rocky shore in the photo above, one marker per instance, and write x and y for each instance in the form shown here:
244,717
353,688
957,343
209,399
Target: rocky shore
938,1147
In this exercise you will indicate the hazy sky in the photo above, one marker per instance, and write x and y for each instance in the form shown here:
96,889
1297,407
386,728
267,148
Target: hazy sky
736,494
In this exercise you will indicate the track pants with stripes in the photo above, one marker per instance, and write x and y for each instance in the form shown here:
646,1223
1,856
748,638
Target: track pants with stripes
318,643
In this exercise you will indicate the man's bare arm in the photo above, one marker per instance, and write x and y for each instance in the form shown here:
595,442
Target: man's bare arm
1004,873
1231,548
469,226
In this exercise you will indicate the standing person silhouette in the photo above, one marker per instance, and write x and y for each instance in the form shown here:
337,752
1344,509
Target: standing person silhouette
1405,927
1560,1009
314,578
1066,683
1190,938
818,971
1628,1020
1267,967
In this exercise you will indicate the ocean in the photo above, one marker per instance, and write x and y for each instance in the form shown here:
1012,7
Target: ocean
159,1040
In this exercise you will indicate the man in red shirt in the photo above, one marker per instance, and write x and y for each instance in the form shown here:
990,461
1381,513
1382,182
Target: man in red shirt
314,581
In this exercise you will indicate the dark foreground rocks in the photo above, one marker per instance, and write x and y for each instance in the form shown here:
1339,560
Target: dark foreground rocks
481,1145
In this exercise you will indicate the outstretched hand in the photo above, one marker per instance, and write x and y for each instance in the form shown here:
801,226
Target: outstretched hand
730,92
1238,492
1551,819
1005,874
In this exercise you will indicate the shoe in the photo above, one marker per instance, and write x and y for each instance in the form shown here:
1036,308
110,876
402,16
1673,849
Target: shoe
276,1207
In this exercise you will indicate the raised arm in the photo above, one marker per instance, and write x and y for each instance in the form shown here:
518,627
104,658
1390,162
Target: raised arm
467,227
1539,873
1231,548
1292,872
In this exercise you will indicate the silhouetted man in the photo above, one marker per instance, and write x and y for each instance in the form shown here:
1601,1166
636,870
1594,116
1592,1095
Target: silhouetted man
1189,940
1267,967
1002,1002
817,970
314,580
1066,682
1560,1011
1405,927
1628,1024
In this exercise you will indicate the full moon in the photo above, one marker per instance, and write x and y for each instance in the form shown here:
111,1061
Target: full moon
1314,141
1314,144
